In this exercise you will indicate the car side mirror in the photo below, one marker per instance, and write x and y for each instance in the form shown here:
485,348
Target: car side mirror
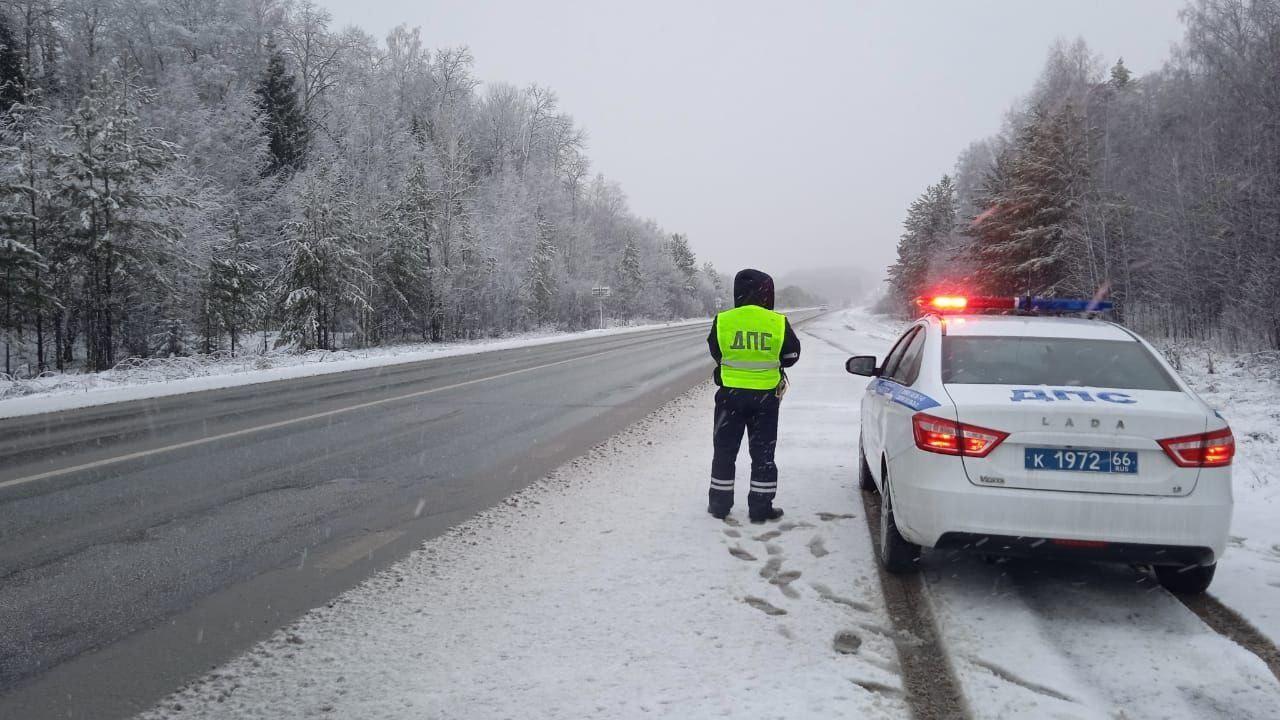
862,365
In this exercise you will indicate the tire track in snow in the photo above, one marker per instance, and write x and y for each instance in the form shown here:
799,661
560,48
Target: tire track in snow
1229,624
932,691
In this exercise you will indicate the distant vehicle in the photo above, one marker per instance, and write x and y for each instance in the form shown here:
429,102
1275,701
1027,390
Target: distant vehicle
1036,434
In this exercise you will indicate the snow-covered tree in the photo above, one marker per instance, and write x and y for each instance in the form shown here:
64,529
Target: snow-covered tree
28,220
542,272
323,278
176,208
683,291
1034,222
121,231
923,247
13,79
282,115
233,293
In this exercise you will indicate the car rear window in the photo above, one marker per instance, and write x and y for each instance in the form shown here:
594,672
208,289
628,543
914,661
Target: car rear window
992,360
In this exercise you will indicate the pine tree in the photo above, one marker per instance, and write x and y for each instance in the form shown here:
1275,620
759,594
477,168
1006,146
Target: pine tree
1033,226
541,288
282,115
232,288
422,278
121,227
683,295
1120,75
12,78
20,290
929,223
324,275
630,277
27,217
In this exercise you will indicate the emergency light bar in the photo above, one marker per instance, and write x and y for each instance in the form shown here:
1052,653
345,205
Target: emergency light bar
962,303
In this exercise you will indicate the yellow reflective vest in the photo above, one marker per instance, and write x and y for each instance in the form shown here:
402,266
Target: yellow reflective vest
750,339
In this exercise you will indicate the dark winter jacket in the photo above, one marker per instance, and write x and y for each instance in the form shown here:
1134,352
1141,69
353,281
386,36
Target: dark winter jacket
752,287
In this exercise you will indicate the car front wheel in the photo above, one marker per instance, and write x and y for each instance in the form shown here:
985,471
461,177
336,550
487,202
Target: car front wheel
865,481
1186,580
898,555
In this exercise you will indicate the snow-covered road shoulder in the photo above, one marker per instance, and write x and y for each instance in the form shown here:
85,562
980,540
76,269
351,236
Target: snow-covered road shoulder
607,591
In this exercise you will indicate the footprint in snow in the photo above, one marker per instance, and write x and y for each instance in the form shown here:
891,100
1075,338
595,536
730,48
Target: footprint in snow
730,532
741,554
773,549
828,517
846,642
825,593
784,527
731,521
763,606
818,547
766,536
771,568
783,580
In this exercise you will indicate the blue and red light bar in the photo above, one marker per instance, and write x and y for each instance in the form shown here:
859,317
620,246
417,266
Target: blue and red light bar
965,303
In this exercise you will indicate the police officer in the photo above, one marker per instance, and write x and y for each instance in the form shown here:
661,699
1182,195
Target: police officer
750,344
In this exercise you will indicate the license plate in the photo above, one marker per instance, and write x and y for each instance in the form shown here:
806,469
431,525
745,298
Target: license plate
1099,461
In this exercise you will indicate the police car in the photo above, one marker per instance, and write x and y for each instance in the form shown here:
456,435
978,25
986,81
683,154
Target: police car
1006,427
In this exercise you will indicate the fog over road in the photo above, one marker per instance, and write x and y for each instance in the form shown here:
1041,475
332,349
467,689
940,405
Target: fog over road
143,542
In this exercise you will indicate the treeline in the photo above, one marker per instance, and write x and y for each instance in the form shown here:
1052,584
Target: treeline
1161,192
195,175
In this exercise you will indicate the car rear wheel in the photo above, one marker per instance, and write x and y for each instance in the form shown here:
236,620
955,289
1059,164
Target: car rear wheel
865,481
898,555
1186,580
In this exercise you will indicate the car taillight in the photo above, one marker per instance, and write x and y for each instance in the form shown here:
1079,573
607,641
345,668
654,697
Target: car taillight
948,437
1211,449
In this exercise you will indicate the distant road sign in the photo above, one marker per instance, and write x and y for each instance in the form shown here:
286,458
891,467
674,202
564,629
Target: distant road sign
601,292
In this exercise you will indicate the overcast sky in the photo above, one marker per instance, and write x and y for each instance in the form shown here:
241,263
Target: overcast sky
780,135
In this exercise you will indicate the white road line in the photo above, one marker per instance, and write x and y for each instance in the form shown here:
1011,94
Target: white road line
283,423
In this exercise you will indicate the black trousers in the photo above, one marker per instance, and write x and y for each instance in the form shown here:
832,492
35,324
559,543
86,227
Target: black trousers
756,413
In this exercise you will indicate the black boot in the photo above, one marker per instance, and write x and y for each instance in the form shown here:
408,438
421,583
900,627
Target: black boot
765,514
719,503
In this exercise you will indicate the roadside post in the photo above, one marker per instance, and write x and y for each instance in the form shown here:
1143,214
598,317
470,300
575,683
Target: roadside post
600,293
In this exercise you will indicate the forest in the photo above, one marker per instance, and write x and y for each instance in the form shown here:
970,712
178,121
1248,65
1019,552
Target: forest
200,176
1160,191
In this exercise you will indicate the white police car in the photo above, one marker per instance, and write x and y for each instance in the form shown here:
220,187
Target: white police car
1027,435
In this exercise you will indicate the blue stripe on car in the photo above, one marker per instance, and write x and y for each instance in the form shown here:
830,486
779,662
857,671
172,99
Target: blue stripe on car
903,395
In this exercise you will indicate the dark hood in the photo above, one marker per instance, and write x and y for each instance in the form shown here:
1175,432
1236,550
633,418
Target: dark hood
752,287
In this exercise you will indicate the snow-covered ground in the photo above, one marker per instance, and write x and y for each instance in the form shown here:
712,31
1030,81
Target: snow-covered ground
159,377
1094,641
606,591
1248,578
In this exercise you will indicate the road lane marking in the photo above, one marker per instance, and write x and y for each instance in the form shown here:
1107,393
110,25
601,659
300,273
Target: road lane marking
284,423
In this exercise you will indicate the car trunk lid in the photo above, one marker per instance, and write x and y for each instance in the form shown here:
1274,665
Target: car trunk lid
1064,425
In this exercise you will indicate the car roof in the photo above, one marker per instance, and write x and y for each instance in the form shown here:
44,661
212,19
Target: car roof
1033,326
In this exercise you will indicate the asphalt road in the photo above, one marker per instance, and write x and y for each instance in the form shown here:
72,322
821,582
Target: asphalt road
142,543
